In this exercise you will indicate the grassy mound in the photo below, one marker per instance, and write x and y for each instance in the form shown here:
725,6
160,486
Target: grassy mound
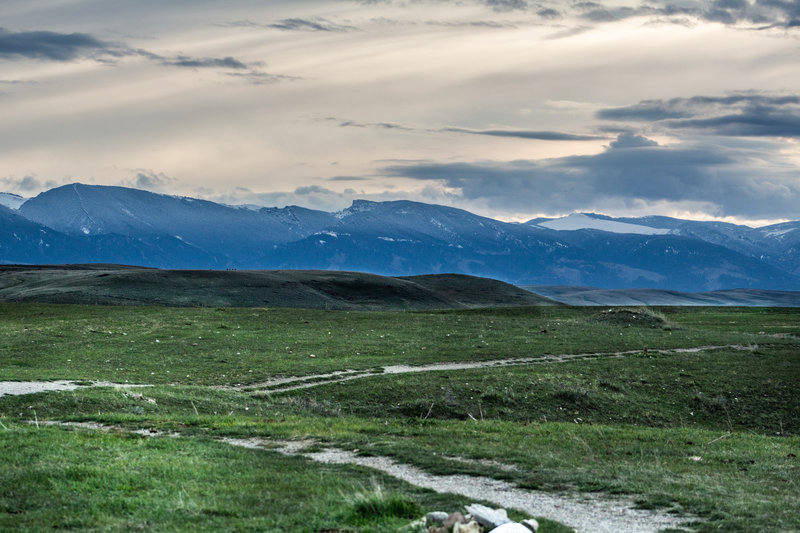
642,317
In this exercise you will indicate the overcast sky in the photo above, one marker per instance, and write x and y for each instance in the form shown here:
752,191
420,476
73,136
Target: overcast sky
509,108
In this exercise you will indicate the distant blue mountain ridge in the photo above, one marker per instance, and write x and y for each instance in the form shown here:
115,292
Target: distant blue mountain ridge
100,224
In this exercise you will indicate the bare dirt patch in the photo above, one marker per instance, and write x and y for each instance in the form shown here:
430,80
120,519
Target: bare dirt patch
16,388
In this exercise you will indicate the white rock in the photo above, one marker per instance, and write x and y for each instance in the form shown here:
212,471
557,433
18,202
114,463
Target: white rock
436,517
487,516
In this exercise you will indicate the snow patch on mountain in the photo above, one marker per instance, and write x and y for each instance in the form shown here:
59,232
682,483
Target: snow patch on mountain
11,201
778,233
578,221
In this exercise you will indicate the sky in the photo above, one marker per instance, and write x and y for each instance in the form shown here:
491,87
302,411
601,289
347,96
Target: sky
511,109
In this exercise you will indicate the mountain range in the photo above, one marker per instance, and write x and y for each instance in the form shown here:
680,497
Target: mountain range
101,224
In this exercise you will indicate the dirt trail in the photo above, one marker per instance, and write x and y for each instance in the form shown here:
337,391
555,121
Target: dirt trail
584,513
589,513
315,380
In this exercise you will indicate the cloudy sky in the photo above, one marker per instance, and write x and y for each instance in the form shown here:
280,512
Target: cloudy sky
508,108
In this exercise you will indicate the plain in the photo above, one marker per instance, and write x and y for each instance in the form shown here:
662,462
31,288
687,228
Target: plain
691,411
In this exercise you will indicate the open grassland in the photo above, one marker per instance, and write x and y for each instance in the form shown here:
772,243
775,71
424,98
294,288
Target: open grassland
713,433
226,346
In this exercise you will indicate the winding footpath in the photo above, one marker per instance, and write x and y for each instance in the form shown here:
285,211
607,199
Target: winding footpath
286,384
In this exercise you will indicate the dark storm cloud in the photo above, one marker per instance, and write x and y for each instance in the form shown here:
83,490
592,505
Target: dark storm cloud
376,125
548,13
749,114
257,77
630,171
757,14
251,73
300,24
27,184
492,24
312,189
764,14
648,111
519,134
631,140
150,181
48,45
753,122
602,14
293,24
507,5
204,62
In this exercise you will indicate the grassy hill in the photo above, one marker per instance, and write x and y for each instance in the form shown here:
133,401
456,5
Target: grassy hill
311,289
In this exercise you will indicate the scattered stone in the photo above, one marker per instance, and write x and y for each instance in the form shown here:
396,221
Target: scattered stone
453,519
470,527
487,516
531,523
436,518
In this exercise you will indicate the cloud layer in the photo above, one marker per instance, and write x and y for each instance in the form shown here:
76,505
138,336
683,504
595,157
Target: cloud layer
511,108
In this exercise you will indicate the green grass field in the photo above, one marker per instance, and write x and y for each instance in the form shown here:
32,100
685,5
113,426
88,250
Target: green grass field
714,434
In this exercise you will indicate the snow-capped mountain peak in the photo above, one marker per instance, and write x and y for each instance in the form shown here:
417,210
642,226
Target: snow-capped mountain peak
11,201
578,221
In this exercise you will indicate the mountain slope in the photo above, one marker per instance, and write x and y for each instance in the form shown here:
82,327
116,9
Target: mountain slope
777,245
236,233
80,223
578,221
12,201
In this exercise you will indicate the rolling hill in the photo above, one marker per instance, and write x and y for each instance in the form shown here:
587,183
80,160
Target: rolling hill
123,285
